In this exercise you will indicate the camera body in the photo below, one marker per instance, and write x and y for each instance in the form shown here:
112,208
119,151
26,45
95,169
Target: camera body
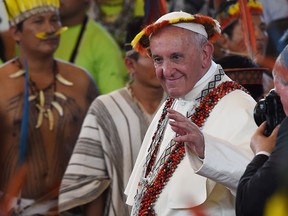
269,109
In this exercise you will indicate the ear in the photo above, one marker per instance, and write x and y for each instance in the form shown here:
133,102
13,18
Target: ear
207,54
224,41
130,64
15,33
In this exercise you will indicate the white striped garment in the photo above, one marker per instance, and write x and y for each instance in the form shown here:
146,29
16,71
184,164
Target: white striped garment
105,153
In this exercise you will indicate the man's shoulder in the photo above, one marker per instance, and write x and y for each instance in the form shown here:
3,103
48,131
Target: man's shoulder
114,97
93,26
236,103
239,97
7,69
67,67
74,73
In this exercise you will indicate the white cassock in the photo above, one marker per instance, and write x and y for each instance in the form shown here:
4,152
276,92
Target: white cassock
209,184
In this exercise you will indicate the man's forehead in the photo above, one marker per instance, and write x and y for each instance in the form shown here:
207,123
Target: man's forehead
45,14
169,35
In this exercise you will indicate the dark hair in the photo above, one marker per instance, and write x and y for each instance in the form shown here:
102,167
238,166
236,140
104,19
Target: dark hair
19,26
2,50
132,54
224,5
133,28
236,61
229,29
246,72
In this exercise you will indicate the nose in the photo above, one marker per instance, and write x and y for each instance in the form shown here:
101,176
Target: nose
260,34
167,68
49,27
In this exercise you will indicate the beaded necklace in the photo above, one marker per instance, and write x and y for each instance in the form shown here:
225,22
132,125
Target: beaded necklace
148,117
178,152
38,95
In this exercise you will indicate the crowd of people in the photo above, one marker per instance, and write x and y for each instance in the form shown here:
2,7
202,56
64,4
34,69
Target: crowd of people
149,113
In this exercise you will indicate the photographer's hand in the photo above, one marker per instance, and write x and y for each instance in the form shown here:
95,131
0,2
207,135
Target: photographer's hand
260,142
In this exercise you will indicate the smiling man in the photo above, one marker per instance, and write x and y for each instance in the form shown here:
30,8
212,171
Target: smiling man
197,145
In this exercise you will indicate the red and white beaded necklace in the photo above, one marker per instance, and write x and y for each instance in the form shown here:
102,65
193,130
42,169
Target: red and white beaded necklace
152,190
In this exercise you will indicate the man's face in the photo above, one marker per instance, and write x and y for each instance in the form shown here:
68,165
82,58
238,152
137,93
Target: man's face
177,59
145,72
236,42
70,8
281,84
47,22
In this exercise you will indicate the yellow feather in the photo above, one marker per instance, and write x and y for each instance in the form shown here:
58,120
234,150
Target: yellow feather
137,38
18,10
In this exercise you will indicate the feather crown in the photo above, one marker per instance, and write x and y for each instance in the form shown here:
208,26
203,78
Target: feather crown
201,24
232,12
19,10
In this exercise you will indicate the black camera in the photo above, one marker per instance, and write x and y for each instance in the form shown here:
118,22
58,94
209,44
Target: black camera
269,109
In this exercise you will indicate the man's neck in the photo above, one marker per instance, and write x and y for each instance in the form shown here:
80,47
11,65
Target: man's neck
149,97
36,64
42,71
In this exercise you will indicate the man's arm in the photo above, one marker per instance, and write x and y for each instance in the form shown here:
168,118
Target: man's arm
86,176
96,207
250,189
259,180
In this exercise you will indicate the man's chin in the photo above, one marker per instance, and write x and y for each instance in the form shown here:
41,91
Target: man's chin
259,58
174,93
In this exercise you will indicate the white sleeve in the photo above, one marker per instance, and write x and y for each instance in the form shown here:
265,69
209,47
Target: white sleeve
227,133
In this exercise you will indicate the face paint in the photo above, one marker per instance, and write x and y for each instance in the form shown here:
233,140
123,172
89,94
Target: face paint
45,35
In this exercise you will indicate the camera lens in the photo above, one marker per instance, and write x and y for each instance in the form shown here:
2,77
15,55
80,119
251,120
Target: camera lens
260,112
269,109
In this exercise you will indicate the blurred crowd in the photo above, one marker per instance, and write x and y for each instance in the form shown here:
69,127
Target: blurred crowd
110,17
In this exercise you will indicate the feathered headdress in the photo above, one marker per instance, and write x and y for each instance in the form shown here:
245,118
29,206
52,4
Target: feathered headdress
232,12
201,24
19,10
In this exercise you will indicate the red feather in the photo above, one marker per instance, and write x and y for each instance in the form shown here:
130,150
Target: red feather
13,190
155,9
247,27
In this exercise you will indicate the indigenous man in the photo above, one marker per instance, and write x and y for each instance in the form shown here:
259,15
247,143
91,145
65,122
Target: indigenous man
43,99
87,44
110,139
232,40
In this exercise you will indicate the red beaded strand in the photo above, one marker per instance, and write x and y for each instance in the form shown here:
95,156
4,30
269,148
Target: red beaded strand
203,110
168,104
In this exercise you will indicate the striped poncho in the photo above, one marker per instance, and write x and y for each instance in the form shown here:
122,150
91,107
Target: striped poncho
105,153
